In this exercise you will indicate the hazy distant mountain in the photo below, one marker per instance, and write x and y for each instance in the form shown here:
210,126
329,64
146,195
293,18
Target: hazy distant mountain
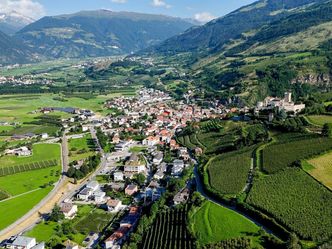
13,21
99,33
12,51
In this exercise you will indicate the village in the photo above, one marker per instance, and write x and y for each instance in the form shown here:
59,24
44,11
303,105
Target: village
142,156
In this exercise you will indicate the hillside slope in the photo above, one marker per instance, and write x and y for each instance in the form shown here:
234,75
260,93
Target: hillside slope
12,51
286,54
99,33
215,34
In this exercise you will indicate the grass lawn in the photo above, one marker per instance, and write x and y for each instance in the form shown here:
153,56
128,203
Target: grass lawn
16,208
88,219
6,128
322,169
81,148
43,231
95,221
137,149
26,181
320,119
213,223
40,152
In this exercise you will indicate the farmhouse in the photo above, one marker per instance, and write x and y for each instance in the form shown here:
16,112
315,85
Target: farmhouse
22,151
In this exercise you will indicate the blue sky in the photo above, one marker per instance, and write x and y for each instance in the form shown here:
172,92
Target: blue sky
201,9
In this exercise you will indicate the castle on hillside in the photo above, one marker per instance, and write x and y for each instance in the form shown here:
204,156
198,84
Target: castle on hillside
286,104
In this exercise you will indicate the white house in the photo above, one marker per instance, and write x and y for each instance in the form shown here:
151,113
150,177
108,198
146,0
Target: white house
99,196
158,158
85,128
178,166
118,176
85,194
44,136
134,165
114,205
93,185
69,210
22,242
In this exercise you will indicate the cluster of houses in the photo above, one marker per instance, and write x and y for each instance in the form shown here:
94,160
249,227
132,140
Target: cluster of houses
127,224
24,80
92,192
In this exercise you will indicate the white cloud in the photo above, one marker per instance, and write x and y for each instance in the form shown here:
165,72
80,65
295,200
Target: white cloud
161,3
29,8
204,17
118,1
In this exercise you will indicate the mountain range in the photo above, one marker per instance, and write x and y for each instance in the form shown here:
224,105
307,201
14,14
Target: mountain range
98,33
11,22
265,48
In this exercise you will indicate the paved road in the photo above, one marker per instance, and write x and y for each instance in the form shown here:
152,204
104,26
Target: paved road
24,222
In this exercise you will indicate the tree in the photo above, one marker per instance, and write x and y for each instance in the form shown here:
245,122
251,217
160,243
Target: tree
56,214
140,179
327,130
293,242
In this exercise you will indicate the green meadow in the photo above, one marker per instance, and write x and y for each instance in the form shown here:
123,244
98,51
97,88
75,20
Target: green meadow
81,148
17,207
212,223
40,152
14,108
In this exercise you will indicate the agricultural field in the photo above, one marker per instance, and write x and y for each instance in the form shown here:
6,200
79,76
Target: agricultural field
14,209
281,155
35,129
28,181
321,169
13,108
40,152
212,223
11,170
169,231
320,119
81,148
228,173
295,200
